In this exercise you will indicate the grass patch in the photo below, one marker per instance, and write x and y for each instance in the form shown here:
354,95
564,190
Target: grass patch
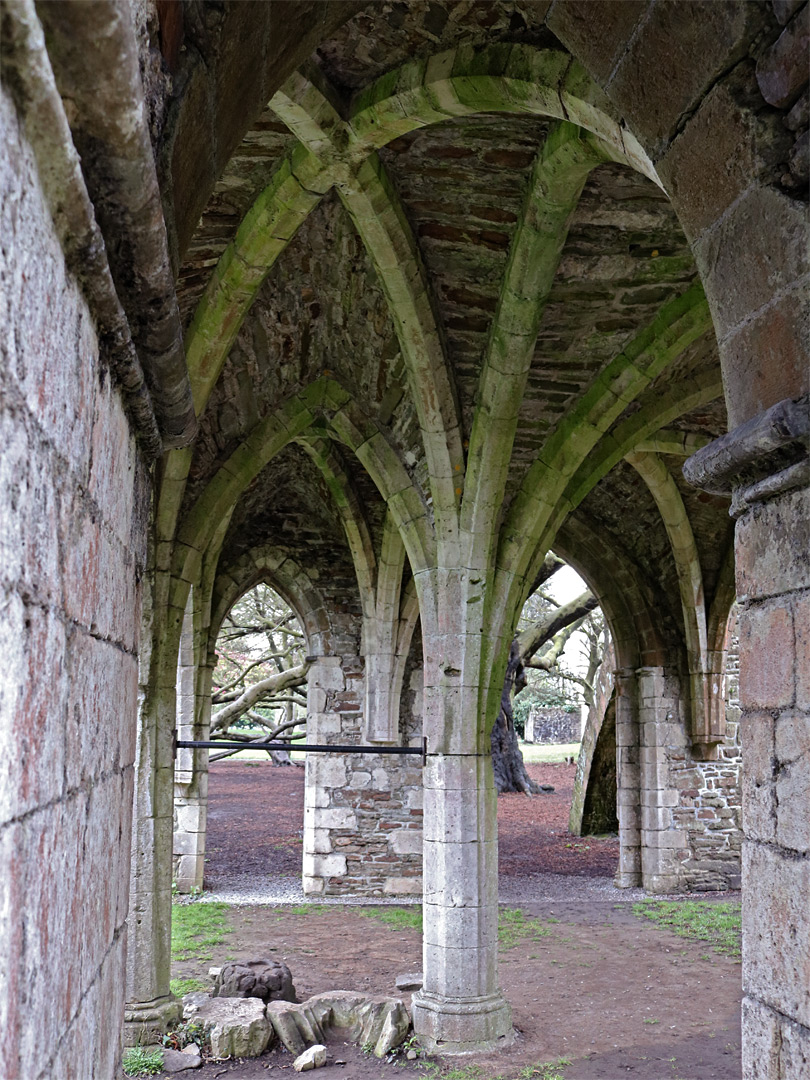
514,927
308,909
549,1070
180,987
551,754
698,920
143,1061
196,927
399,918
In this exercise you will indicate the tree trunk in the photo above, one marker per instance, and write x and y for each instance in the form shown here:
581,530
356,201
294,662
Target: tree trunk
507,760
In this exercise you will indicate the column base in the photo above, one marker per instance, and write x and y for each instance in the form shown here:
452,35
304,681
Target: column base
462,1025
627,879
145,1022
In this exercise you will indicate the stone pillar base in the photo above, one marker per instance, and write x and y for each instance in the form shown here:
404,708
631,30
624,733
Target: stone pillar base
146,1021
627,879
462,1025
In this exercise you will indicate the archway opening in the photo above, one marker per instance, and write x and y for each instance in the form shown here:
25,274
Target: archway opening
238,821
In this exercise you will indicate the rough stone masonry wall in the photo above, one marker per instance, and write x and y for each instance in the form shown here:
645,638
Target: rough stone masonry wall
72,495
363,814
553,726
709,813
690,810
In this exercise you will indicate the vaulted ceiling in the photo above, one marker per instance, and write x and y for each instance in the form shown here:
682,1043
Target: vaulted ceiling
403,200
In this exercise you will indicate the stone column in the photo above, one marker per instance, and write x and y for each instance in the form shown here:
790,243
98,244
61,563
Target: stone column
191,789
765,465
325,683
151,1008
460,1007
661,732
628,780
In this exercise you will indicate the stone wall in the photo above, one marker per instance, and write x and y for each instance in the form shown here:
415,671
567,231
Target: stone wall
363,813
73,496
690,810
553,726
709,813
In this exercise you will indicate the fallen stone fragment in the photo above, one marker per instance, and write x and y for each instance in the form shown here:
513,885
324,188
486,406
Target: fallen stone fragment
175,1061
237,1027
313,1058
376,1021
410,982
265,979
192,1049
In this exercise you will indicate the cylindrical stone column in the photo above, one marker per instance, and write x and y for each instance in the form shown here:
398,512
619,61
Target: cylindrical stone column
460,1007
628,781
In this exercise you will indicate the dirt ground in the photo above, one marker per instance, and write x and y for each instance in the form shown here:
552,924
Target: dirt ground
597,986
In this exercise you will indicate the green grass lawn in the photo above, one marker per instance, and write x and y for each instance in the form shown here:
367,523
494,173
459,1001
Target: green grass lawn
699,920
551,754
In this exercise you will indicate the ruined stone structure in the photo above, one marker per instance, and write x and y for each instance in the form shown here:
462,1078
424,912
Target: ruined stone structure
550,725
378,303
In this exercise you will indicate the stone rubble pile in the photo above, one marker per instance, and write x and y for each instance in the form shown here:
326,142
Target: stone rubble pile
246,1027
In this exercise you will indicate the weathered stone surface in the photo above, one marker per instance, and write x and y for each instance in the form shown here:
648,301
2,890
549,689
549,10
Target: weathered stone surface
784,69
175,1061
268,980
312,1058
237,1027
380,1022
410,982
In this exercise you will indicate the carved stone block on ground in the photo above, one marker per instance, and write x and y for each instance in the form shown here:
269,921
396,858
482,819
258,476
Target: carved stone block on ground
237,1027
376,1021
268,980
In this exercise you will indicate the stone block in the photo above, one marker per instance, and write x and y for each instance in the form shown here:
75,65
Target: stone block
329,771
324,866
268,980
801,626
596,34
776,923
237,1027
758,790
655,818
771,549
406,841
380,780
460,927
767,656
782,70
756,251
32,746
766,359
460,815
319,842
336,817
460,874
460,972
314,1057
403,886
674,57
723,146
792,783
327,674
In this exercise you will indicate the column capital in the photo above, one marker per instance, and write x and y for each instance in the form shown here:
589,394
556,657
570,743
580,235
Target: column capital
762,458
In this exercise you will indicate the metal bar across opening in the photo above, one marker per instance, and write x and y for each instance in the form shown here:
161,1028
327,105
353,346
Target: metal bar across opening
312,748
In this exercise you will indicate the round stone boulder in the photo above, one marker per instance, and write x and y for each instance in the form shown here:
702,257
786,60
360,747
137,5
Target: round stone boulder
265,979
